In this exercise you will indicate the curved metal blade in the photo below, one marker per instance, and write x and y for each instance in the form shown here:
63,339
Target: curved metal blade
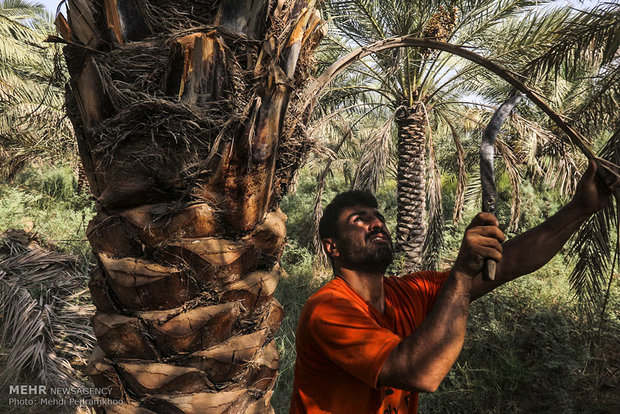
489,192
487,178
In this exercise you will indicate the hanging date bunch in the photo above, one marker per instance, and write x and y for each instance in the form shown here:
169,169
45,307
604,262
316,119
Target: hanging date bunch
183,112
440,27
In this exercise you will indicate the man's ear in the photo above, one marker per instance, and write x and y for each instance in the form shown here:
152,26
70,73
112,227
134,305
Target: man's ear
329,244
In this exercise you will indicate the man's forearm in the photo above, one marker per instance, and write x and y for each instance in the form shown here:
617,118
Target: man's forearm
424,358
533,249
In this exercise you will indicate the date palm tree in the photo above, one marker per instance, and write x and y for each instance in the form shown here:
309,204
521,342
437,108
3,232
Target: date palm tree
32,119
183,113
419,84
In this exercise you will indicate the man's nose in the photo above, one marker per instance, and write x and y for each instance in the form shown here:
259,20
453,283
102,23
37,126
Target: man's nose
375,223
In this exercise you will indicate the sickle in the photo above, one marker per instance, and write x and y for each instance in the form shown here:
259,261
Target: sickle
489,192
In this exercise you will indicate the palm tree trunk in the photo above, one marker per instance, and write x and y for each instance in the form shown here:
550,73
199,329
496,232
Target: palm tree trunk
411,184
180,109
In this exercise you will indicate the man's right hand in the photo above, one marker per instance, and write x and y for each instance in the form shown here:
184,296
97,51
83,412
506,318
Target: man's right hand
483,240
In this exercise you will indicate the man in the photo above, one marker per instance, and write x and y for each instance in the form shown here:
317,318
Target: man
370,344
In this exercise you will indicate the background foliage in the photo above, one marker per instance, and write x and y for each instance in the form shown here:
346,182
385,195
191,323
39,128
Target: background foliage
529,347
33,124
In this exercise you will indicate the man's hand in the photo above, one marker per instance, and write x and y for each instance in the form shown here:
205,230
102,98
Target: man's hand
483,240
593,192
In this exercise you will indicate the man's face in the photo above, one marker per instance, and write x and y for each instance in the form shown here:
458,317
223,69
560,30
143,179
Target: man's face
363,242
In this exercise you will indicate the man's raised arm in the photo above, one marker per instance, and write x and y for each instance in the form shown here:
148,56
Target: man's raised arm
423,359
531,250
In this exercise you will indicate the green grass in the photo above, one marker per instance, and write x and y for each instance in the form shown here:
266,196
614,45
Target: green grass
528,350
45,200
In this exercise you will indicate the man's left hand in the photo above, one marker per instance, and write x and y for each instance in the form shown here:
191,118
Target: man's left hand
593,192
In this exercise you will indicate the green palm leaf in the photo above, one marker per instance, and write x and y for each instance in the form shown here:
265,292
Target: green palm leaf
591,247
32,118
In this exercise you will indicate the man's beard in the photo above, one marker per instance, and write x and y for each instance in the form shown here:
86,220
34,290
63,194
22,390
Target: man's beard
373,256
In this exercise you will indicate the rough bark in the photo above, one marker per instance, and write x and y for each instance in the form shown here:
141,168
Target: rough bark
411,184
180,109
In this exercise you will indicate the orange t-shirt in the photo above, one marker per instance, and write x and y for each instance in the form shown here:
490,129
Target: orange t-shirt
343,341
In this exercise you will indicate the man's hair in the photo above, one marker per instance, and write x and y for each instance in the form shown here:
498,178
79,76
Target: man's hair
328,226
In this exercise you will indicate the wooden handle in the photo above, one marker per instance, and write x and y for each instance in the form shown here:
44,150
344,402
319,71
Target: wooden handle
488,270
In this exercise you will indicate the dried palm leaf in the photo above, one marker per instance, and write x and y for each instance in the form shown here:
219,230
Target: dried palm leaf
511,165
45,328
374,160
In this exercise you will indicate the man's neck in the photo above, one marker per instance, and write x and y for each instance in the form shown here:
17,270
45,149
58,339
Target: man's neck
369,285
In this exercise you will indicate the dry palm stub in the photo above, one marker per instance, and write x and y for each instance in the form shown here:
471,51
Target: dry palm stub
182,111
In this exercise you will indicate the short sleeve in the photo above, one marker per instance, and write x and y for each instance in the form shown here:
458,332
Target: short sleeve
347,334
422,288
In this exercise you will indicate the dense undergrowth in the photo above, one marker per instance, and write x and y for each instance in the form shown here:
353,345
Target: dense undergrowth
530,348
46,200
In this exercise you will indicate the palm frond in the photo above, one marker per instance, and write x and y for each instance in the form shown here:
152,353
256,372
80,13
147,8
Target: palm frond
374,160
511,166
591,36
590,248
590,253
33,123
45,330
473,189
461,176
560,165
598,101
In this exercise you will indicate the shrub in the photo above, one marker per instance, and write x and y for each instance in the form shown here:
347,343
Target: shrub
45,200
